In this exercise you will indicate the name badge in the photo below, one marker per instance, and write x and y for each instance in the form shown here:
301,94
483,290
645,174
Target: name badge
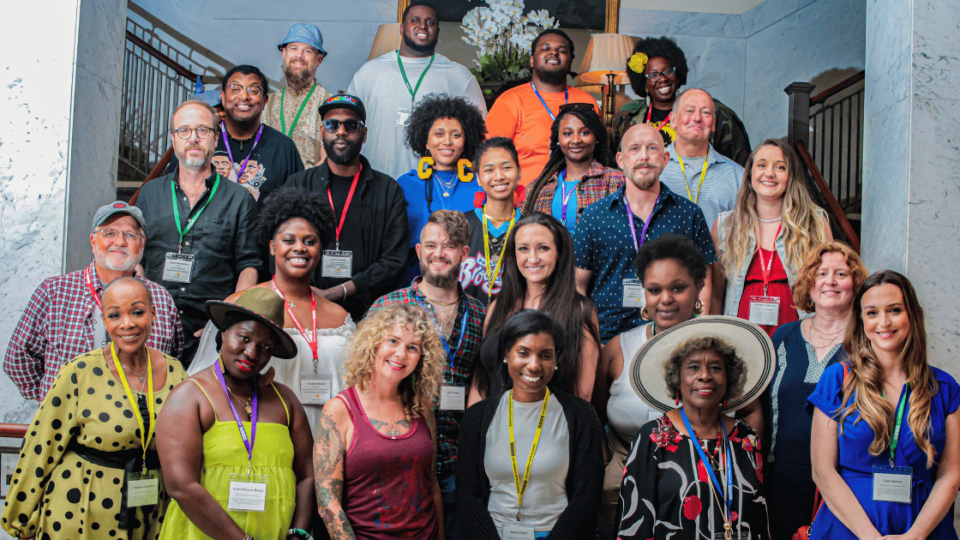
402,116
247,493
452,398
316,389
892,484
177,267
337,264
143,489
518,532
765,310
633,294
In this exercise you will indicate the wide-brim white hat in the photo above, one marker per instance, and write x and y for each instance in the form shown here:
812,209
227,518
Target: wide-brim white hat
753,345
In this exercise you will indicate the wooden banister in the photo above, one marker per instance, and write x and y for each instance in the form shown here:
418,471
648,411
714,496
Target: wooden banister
837,88
15,431
166,60
157,171
833,205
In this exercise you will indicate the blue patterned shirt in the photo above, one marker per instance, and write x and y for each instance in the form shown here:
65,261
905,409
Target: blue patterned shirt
604,246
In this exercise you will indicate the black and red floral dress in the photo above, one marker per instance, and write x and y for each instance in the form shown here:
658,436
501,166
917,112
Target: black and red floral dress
667,493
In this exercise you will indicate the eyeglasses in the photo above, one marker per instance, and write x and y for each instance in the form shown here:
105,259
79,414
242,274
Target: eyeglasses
654,76
254,90
351,126
110,234
203,132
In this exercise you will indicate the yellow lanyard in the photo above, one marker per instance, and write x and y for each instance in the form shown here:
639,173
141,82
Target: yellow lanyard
144,436
522,485
703,174
492,276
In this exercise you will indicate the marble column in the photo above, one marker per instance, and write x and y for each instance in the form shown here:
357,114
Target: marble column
59,134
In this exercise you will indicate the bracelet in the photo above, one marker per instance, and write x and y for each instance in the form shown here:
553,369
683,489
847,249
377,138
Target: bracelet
344,298
248,537
301,533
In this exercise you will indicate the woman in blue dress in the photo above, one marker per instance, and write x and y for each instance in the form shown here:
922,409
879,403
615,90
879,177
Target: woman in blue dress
444,131
895,474
826,283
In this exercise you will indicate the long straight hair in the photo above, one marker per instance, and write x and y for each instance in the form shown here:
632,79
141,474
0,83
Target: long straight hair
803,227
866,374
560,300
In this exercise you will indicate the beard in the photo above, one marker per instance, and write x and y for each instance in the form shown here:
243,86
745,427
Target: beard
641,181
118,262
556,76
348,156
294,78
422,49
443,281
195,163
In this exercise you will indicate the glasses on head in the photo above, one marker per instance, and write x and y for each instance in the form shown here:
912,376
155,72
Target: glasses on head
253,89
569,106
333,126
203,132
654,76
111,234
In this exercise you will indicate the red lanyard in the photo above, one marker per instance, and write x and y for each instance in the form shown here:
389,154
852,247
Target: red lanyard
346,205
765,268
93,291
296,322
666,121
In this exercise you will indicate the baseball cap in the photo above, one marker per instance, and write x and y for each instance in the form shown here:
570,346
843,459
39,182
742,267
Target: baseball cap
107,211
344,101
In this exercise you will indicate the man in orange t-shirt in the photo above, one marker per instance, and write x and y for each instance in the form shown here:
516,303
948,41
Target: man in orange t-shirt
525,113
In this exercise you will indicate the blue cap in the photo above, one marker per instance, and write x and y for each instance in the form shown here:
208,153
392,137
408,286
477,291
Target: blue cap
210,97
304,33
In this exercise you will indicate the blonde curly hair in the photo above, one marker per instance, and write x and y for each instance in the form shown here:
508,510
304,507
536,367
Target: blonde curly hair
417,391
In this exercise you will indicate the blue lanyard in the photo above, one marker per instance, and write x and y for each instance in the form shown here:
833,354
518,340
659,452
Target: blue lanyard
443,340
564,196
566,99
728,499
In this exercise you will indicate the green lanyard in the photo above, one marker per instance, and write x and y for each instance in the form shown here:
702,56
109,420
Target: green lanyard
190,222
413,91
283,123
895,438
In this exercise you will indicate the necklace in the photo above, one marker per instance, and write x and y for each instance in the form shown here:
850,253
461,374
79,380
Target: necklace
438,303
813,323
501,220
245,402
778,218
140,376
447,188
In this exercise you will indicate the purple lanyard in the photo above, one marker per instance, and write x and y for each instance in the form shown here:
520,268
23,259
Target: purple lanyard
248,442
566,99
646,224
243,167
564,196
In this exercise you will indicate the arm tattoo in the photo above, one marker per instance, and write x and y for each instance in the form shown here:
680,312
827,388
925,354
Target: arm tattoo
327,459
391,429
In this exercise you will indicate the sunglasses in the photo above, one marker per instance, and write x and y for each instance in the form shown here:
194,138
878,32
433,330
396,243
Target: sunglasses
351,126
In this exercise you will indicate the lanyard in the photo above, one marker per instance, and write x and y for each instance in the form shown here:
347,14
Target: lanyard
895,438
145,437
413,91
728,473
646,224
492,276
191,221
765,268
664,123
93,292
522,485
703,174
443,340
564,196
346,205
248,442
296,322
566,99
243,166
283,123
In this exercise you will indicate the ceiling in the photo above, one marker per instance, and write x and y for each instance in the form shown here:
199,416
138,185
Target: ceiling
732,7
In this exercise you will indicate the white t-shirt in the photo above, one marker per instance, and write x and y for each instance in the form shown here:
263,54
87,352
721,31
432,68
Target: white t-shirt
379,84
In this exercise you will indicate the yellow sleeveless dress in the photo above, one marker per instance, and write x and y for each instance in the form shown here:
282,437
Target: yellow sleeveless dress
224,455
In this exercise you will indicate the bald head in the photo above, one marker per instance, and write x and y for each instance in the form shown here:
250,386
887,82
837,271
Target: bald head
642,156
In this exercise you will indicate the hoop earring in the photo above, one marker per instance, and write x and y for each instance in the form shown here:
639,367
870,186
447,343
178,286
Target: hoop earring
698,307
425,167
643,314
462,170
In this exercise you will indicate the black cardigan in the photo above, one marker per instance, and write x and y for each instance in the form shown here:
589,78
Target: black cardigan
584,477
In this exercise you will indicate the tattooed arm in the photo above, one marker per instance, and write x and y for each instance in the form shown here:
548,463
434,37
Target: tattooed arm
330,448
434,482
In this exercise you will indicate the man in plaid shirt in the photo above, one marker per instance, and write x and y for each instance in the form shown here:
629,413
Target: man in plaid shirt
64,320
459,318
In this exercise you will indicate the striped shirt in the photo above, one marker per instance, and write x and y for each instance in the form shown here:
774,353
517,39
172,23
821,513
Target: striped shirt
719,191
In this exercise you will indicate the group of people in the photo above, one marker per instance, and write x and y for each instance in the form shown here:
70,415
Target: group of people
419,319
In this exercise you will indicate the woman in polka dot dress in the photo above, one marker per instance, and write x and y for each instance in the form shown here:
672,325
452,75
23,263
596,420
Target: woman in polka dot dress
85,445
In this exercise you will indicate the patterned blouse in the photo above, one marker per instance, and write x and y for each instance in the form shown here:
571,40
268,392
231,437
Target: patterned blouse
307,131
667,493
599,182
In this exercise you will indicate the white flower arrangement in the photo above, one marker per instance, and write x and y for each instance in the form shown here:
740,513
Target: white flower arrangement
503,35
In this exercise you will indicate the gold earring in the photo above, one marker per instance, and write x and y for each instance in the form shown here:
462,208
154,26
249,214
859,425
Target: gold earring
698,307
425,167
462,172
643,314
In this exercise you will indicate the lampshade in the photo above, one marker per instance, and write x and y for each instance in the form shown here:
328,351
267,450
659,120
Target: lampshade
388,39
606,53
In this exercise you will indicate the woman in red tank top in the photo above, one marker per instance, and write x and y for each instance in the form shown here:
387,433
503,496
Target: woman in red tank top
375,454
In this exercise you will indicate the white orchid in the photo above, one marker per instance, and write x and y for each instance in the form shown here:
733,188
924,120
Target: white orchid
502,36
